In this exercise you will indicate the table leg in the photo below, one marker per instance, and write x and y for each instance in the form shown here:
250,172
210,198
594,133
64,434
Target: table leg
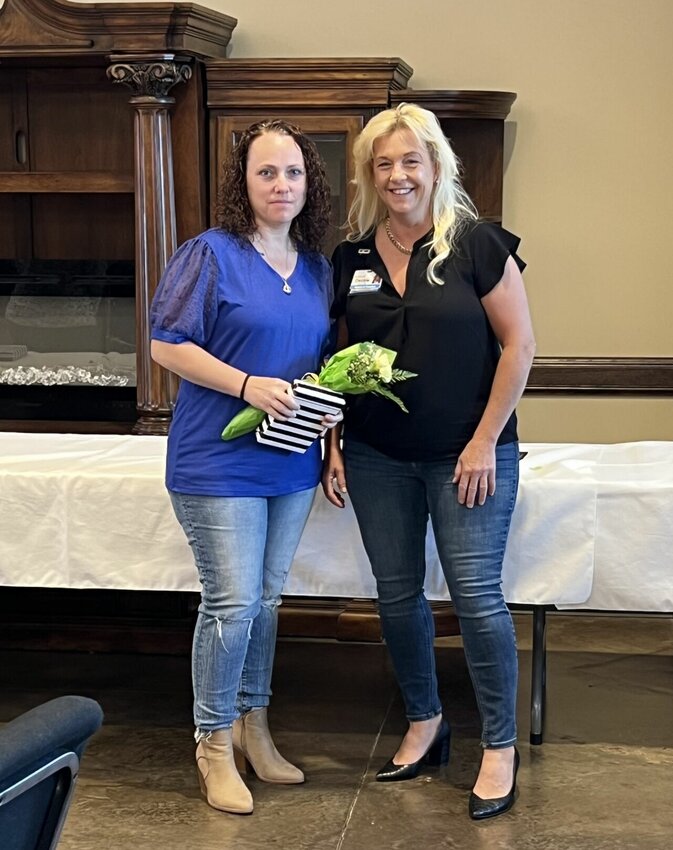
539,674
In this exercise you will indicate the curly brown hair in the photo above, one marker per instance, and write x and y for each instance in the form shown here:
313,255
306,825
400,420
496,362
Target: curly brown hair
234,213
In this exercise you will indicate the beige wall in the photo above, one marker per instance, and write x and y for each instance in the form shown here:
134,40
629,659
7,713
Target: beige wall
589,174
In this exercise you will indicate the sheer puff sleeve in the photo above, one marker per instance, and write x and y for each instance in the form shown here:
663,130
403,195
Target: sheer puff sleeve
489,247
184,308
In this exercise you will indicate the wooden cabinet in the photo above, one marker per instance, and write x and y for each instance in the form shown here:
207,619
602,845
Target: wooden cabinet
94,198
67,288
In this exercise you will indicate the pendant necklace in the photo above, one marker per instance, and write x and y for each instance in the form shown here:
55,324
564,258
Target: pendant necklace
394,240
287,289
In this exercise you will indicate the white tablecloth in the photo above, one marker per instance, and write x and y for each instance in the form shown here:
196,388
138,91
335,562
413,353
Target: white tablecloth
593,526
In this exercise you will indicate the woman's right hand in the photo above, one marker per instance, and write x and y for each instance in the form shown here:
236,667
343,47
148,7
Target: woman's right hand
334,475
272,395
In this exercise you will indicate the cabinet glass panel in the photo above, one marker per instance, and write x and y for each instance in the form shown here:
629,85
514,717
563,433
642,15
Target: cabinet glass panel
332,148
67,320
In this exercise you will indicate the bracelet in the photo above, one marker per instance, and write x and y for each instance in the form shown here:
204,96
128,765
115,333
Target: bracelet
245,381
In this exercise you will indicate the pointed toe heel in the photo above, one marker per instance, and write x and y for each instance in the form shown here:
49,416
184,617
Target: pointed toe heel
481,809
436,754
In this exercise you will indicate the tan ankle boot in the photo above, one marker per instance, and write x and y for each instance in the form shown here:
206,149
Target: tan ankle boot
252,738
220,782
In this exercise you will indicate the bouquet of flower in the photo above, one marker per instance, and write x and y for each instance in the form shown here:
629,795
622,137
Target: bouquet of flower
361,368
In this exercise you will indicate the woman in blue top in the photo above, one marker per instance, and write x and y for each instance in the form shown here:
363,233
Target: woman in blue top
240,311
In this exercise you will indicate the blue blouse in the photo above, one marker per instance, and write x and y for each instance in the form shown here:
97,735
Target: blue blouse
220,294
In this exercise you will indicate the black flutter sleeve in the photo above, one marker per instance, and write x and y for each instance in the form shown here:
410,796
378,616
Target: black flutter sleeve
489,246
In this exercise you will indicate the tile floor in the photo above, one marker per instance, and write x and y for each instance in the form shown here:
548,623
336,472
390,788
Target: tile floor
603,779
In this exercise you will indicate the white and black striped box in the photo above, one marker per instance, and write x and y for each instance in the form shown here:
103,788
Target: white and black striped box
298,433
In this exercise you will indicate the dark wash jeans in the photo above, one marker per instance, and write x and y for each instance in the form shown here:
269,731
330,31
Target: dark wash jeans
392,501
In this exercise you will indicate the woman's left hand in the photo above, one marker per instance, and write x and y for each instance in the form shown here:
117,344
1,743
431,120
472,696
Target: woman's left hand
475,473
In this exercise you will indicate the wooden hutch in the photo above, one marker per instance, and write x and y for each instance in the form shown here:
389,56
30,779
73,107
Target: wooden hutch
114,121
96,186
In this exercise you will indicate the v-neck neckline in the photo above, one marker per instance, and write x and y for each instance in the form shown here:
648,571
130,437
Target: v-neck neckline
267,264
387,276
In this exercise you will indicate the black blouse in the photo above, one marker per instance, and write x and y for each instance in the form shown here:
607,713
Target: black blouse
440,332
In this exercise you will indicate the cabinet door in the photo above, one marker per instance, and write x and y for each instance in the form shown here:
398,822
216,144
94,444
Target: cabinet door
478,143
15,238
78,122
13,120
333,135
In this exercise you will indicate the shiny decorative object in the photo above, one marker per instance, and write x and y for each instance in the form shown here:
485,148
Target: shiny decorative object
394,240
70,375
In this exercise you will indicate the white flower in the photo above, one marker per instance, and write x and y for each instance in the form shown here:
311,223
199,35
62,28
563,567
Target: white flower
382,366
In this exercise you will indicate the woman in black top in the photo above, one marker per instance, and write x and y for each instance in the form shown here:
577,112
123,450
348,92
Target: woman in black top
422,275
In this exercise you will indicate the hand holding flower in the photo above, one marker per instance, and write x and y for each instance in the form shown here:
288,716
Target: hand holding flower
361,368
272,396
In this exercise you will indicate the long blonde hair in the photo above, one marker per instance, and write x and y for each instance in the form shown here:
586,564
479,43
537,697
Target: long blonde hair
452,208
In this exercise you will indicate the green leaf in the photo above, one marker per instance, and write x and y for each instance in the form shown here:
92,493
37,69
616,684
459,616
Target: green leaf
245,421
387,394
364,377
402,375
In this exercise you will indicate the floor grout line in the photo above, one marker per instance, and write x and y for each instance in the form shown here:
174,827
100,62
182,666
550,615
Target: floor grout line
356,797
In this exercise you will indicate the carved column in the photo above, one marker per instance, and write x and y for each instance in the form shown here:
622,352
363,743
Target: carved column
151,78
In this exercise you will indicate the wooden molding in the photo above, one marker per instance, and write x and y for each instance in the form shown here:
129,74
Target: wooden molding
163,621
65,181
458,104
601,376
153,78
348,619
34,28
296,84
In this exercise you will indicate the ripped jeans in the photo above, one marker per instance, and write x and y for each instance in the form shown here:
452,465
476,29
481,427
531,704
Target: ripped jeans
243,548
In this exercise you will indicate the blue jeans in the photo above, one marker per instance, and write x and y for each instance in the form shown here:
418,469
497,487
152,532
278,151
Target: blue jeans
243,549
392,501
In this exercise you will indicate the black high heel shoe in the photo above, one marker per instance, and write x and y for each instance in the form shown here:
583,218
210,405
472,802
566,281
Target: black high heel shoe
480,809
436,754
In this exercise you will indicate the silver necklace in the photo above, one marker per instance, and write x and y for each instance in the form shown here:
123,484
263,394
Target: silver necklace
394,240
287,289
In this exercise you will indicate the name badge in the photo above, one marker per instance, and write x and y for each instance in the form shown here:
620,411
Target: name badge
364,280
